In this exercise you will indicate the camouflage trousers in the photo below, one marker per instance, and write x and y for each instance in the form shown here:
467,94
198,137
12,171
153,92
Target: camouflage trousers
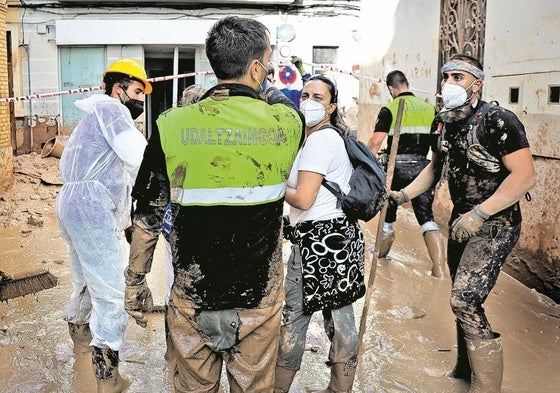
339,324
474,266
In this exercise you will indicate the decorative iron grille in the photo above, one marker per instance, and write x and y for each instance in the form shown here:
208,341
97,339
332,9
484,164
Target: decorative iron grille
462,29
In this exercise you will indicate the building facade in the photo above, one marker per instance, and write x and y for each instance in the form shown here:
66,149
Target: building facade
65,45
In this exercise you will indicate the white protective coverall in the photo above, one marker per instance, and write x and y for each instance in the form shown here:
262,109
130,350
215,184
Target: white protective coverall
99,165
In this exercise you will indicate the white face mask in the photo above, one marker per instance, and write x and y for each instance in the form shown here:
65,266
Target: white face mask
454,96
313,111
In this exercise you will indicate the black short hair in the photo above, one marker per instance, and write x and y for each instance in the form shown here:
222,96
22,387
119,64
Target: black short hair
468,59
111,78
396,79
233,43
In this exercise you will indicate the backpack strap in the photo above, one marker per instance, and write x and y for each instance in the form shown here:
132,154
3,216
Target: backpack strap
472,138
332,186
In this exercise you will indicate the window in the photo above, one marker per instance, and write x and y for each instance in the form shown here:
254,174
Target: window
514,95
325,54
554,94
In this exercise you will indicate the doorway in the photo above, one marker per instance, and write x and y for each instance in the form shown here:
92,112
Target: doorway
159,62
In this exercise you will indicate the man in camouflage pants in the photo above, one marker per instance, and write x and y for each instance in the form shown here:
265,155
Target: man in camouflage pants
490,167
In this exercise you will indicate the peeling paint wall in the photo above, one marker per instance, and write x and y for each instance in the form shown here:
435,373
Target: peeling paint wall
522,50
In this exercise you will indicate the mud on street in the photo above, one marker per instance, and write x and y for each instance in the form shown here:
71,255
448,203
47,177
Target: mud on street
409,340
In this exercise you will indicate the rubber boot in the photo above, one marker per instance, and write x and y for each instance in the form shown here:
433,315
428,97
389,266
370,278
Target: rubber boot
283,379
342,377
462,368
82,379
487,363
106,370
435,243
81,336
385,244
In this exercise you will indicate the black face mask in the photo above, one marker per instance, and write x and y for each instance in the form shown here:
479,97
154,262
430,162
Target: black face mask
136,107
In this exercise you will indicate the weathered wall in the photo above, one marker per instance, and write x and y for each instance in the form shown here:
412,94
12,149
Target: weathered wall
521,50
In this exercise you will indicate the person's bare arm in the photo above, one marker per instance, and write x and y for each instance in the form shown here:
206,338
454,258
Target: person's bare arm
376,141
305,193
425,179
521,179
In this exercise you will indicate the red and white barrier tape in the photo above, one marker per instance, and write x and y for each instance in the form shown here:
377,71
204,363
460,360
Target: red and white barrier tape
82,90
355,74
94,88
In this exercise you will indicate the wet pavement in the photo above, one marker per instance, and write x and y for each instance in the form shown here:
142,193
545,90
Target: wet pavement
409,340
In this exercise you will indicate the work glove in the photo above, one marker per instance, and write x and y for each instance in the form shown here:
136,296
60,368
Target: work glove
296,60
467,225
137,297
397,198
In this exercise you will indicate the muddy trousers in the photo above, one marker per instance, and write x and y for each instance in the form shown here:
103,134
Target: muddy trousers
474,266
339,325
407,168
405,172
245,340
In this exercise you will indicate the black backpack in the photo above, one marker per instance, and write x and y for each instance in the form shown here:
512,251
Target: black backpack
368,182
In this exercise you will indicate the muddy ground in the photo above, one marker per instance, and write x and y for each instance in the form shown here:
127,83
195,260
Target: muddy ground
408,343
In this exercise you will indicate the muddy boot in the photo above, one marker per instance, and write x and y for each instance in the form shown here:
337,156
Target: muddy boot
487,363
82,380
435,243
283,379
342,377
385,243
462,368
81,336
106,370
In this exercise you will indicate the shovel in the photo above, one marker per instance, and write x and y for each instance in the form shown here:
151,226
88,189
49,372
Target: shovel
25,283
390,170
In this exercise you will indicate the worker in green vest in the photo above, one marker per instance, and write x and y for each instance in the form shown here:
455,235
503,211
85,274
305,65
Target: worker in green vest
412,151
226,160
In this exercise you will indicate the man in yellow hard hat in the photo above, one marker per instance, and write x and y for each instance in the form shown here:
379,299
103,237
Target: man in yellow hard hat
99,165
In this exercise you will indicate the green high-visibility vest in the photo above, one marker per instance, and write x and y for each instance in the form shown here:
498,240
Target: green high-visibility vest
417,115
236,151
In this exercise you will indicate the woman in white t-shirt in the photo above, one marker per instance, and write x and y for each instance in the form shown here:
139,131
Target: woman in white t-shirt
326,265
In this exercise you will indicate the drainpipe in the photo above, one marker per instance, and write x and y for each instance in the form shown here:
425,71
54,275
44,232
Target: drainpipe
26,47
175,72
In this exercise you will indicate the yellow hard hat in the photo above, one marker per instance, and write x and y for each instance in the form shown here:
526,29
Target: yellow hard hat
132,68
